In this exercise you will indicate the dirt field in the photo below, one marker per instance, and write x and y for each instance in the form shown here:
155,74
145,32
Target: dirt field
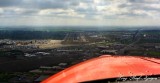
51,44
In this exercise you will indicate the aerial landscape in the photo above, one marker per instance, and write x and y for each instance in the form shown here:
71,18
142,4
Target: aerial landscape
39,38
41,53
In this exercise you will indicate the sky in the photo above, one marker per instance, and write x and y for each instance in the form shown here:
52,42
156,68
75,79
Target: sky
80,12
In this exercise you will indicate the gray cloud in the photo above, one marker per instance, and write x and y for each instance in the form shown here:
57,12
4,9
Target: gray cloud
86,9
41,4
144,7
10,3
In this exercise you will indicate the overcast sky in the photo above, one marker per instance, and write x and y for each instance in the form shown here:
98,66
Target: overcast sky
80,12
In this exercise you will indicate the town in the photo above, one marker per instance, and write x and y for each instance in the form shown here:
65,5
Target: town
33,60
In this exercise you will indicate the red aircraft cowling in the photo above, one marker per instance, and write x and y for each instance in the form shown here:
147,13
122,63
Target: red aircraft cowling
106,67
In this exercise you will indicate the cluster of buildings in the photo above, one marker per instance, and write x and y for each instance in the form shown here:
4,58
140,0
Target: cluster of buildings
21,44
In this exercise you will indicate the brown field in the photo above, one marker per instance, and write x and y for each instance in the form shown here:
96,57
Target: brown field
51,44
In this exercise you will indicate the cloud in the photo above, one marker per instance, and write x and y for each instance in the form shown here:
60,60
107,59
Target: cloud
95,10
89,8
59,13
1,11
10,3
40,4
